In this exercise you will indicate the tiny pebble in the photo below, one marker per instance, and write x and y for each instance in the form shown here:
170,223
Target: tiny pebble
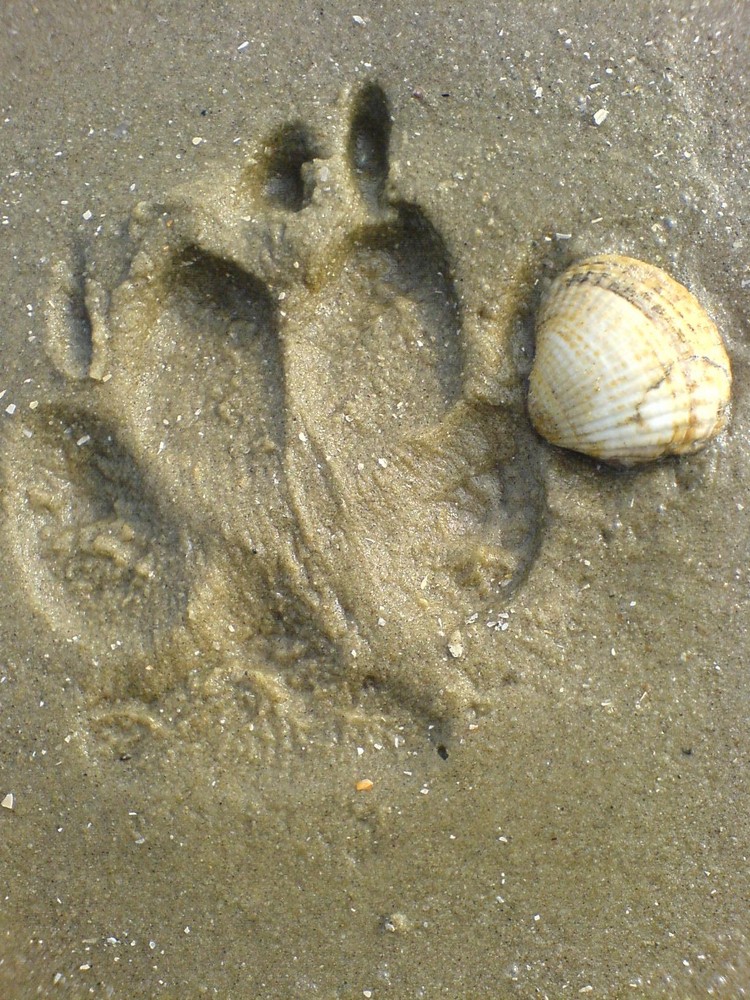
600,116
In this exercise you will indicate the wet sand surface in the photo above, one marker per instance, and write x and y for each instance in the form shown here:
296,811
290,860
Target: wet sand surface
275,525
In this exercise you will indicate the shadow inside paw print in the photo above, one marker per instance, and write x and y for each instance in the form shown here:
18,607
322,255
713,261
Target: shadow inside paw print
280,468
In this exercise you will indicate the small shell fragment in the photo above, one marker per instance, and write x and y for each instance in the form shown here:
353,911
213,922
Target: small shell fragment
364,785
8,801
456,644
628,367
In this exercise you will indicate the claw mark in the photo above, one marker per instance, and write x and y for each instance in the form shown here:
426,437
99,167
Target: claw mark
286,153
369,139
75,339
68,337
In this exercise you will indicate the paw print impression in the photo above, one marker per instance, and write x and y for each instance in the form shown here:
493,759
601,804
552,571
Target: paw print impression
263,449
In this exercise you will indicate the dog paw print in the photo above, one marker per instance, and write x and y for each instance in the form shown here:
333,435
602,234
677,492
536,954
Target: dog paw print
261,458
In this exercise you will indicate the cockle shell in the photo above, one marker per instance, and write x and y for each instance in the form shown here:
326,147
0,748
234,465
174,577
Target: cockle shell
628,367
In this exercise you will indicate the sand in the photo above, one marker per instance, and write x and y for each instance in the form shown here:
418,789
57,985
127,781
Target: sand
322,674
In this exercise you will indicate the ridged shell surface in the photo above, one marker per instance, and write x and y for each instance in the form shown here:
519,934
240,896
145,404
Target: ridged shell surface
628,366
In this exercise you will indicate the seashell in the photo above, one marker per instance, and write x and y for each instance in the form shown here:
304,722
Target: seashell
628,367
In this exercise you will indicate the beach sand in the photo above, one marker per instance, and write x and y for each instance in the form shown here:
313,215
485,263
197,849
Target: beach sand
320,673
